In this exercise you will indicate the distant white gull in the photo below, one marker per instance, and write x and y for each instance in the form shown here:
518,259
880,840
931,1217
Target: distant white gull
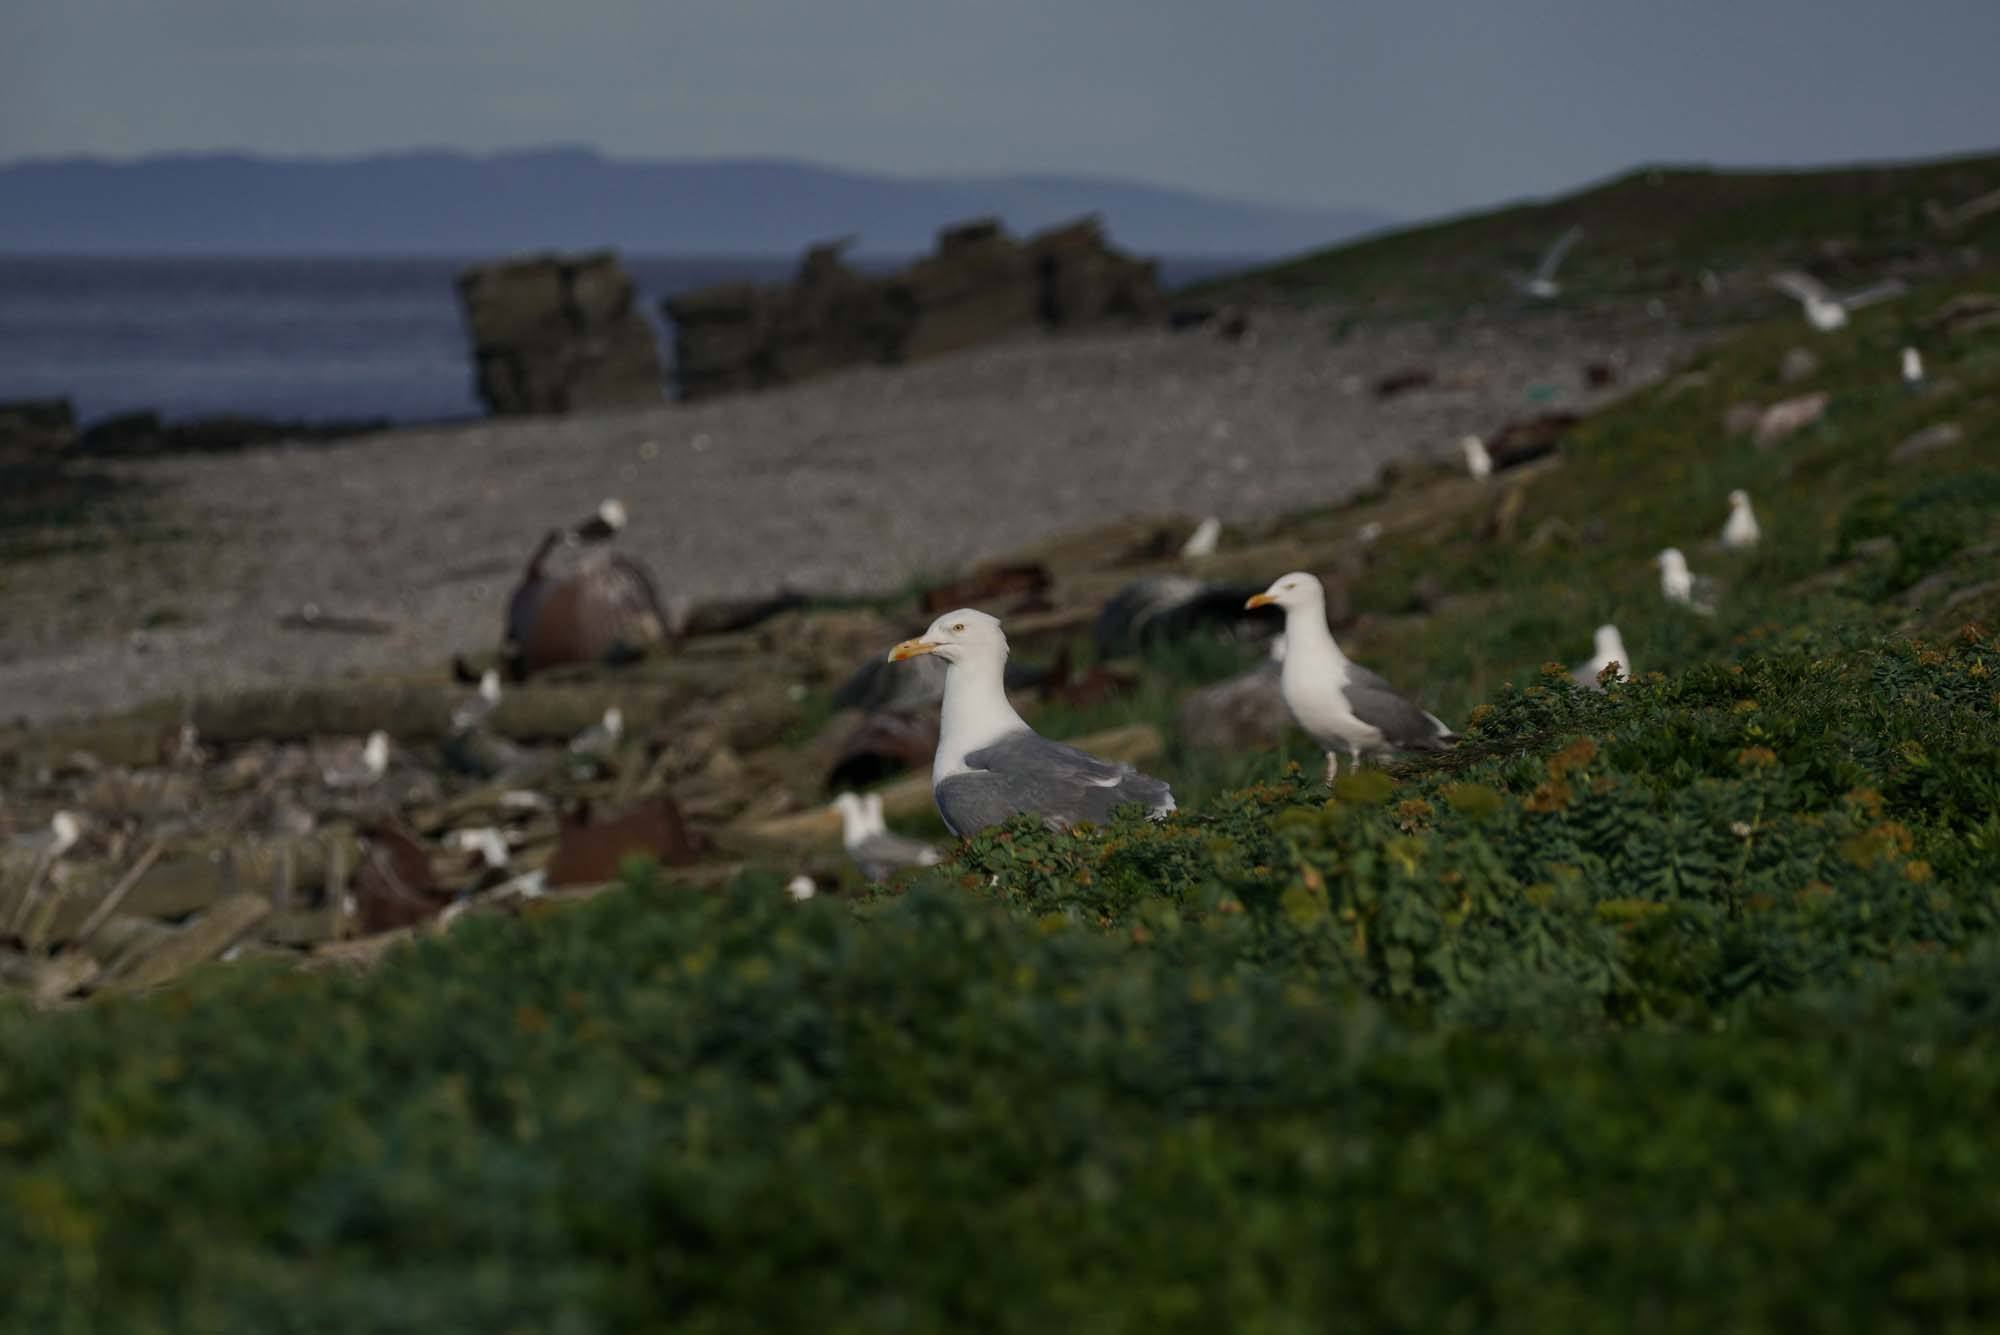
1740,532
1542,285
1913,370
1341,705
990,765
1477,461
865,834
600,740
1825,311
1204,540
1679,585
1608,648
348,770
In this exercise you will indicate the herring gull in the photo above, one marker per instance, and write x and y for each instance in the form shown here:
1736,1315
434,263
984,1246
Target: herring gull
1679,585
1825,311
990,765
865,834
1542,285
1740,533
1341,705
1607,650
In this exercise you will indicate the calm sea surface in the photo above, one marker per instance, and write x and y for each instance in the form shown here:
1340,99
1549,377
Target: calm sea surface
304,338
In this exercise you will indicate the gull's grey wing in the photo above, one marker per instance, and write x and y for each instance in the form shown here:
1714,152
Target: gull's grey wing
1029,773
1800,286
1401,721
881,854
1868,296
1557,253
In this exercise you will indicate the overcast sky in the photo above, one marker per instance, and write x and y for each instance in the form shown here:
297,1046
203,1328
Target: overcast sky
1413,106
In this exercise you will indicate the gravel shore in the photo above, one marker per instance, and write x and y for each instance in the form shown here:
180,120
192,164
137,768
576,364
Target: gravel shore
850,484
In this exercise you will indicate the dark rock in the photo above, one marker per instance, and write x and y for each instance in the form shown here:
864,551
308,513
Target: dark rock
1016,584
1518,442
143,433
552,334
1403,381
1163,608
41,427
590,853
979,284
1247,710
883,745
1600,375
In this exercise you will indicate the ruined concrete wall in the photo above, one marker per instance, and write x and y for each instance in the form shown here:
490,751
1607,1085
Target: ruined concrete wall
556,334
980,284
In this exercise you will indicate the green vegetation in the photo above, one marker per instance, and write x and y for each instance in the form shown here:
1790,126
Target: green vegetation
1648,232
1668,1008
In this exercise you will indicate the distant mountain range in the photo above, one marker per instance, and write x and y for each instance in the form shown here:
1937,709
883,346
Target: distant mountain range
445,202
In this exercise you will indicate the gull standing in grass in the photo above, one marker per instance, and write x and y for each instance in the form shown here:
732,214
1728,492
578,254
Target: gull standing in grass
1825,311
1478,462
1542,285
1913,371
1740,532
1679,585
990,765
1608,648
864,832
1341,705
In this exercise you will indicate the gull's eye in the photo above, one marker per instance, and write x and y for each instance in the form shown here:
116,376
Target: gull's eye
958,625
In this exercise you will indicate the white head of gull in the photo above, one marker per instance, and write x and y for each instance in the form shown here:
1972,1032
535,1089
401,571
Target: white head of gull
1740,533
1608,647
1341,705
990,765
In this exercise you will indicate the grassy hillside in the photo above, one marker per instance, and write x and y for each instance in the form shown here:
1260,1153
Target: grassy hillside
1651,233
1666,1008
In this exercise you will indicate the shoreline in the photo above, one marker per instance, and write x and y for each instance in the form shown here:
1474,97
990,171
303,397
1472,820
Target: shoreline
848,485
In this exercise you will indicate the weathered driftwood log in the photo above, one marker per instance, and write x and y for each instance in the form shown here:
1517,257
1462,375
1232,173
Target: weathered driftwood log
201,874
197,943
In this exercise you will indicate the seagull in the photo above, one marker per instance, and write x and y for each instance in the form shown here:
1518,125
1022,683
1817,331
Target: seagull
1341,705
1543,285
606,523
1695,592
600,739
1206,537
360,771
865,835
801,888
1913,370
1740,533
990,765
472,713
1824,311
1607,651
1477,461
487,842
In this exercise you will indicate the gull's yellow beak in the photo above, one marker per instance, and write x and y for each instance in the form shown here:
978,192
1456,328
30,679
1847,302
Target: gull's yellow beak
910,649
1259,600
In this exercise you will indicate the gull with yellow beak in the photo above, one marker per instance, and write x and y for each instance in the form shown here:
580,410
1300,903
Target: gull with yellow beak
1341,705
990,765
